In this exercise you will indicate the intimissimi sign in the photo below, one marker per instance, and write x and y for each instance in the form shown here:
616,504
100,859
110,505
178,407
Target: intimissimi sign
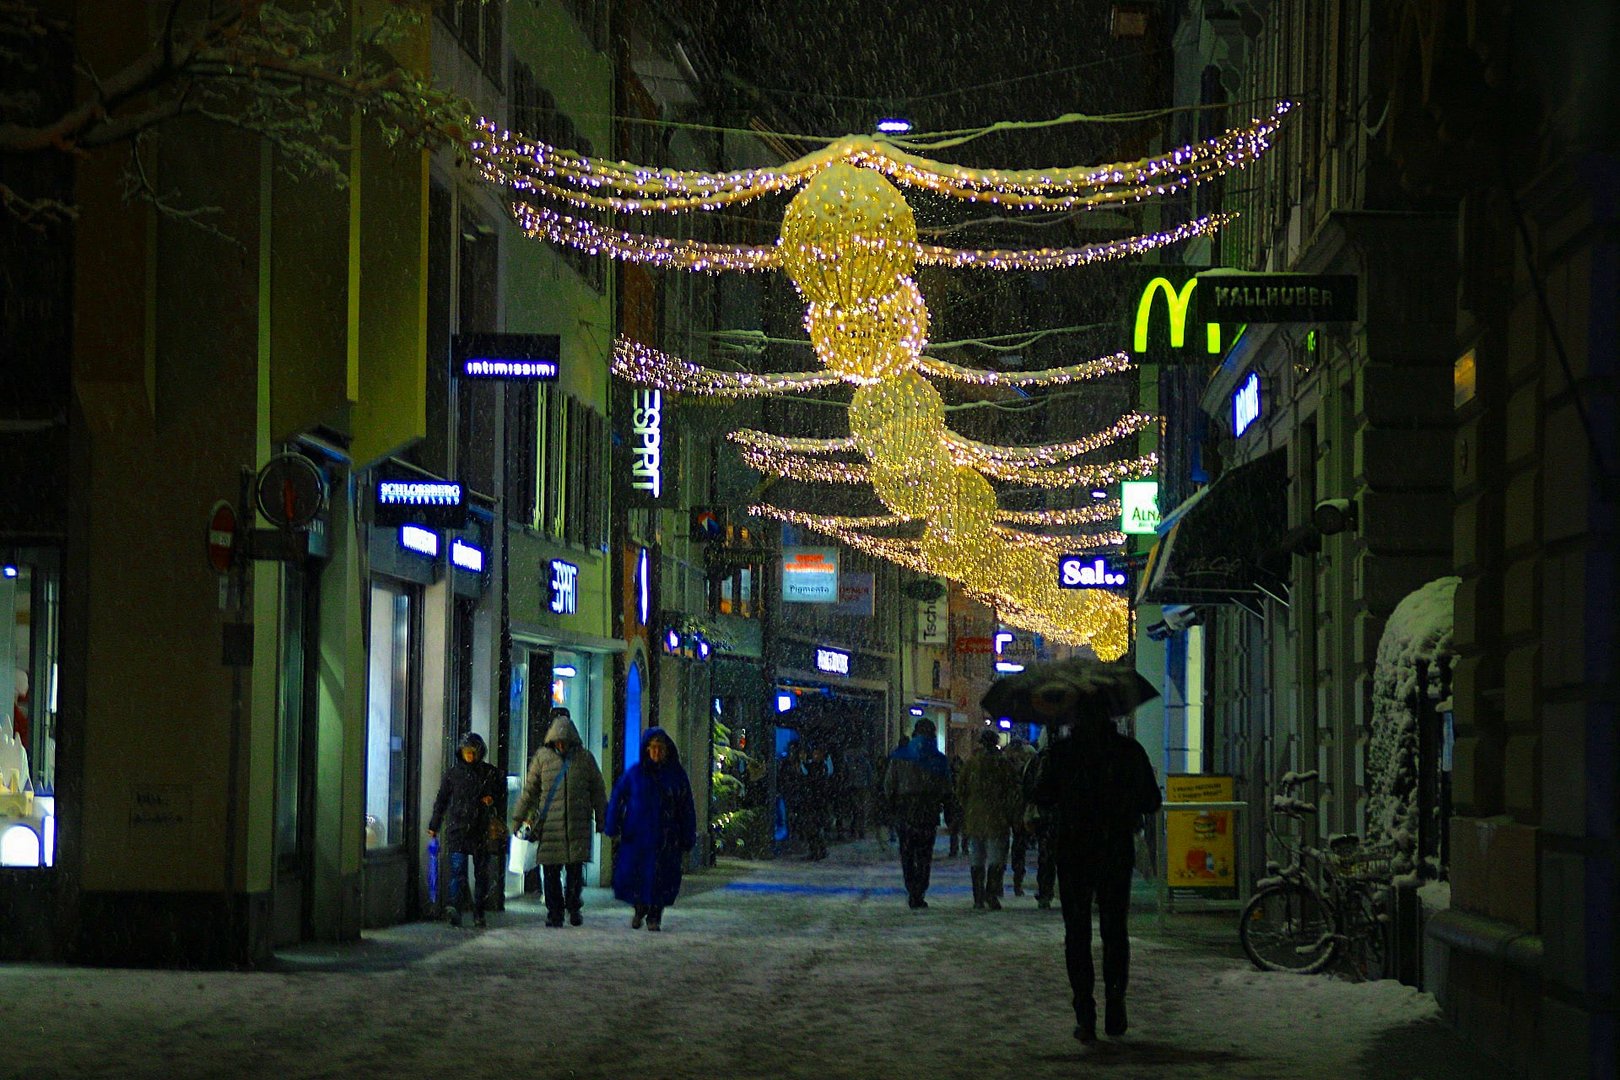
648,459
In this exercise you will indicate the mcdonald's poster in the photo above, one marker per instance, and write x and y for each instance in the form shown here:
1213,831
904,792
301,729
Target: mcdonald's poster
1161,319
1200,844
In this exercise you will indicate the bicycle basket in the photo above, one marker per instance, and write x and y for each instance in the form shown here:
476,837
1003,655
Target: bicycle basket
1368,864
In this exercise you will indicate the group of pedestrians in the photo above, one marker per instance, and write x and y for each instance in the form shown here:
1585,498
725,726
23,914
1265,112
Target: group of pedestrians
564,801
1081,800
827,794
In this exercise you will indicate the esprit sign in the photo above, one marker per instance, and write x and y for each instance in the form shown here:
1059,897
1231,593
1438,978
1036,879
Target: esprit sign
647,443
436,504
1168,338
1088,572
832,661
1245,404
564,587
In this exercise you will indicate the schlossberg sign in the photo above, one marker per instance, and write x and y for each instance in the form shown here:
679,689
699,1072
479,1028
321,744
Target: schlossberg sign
648,459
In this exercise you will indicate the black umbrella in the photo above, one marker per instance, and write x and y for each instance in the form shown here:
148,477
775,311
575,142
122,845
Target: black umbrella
1067,690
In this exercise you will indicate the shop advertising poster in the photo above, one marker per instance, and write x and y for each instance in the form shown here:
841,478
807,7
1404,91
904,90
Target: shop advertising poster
1200,845
810,575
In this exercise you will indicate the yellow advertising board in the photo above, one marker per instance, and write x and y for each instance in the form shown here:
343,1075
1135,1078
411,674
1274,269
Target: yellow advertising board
1200,845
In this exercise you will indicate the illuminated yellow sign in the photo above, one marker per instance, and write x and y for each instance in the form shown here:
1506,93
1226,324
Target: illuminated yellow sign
1177,303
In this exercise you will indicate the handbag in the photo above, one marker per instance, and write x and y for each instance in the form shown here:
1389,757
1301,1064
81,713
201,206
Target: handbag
536,822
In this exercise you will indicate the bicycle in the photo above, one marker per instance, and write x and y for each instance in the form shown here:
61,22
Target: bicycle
1323,904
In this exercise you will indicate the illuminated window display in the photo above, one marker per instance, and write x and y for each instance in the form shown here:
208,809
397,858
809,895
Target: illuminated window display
29,607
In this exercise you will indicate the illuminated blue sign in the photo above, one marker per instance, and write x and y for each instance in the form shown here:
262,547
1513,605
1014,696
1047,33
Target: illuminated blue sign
436,504
1089,572
420,540
466,556
832,661
1245,404
509,357
564,587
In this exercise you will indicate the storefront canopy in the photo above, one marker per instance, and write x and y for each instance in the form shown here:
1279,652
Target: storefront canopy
1219,547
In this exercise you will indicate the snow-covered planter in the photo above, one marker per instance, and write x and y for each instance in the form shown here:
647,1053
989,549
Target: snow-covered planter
1418,634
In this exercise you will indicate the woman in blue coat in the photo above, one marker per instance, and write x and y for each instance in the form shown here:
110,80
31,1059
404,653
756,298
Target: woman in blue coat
655,820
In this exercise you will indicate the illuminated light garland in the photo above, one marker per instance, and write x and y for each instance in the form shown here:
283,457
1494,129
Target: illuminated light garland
924,438
969,452
540,223
899,422
644,366
806,469
1081,617
526,164
1094,514
1113,364
1099,475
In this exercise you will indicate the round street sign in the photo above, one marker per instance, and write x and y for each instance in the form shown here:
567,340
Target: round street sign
290,491
221,536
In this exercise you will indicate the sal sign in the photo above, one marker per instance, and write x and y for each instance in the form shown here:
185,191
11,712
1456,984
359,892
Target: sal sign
1088,572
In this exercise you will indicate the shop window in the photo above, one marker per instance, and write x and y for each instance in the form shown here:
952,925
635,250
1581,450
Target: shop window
30,603
388,702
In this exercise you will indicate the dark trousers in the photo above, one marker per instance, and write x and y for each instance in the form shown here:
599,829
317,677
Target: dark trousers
916,857
1045,868
558,896
1113,894
1020,851
457,897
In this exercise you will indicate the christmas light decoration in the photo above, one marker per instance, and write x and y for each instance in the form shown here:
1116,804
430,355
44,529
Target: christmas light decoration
849,243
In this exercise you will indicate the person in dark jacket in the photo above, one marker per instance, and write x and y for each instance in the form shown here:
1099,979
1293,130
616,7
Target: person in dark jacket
564,773
1098,785
917,785
463,809
652,814
815,787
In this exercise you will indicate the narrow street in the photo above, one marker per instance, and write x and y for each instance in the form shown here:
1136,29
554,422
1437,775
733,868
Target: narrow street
785,969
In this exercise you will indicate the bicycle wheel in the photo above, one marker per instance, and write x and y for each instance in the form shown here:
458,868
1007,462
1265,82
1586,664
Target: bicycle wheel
1288,927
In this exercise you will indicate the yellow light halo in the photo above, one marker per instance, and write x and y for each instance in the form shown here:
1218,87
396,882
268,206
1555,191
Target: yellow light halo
968,505
848,237
868,342
899,420
806,469
911,488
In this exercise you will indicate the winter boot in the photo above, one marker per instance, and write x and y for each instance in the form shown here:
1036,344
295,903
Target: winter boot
992,887
978,888
1085,1020
453,915
1018,883
1114,1012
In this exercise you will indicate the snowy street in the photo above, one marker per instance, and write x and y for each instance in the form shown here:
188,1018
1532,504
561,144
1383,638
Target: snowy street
785,969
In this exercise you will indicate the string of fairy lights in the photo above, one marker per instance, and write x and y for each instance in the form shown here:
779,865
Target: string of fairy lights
849,243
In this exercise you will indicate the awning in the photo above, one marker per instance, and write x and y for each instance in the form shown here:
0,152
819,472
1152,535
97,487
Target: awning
1219,546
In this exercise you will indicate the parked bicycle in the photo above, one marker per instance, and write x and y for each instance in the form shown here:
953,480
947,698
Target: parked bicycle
1324,904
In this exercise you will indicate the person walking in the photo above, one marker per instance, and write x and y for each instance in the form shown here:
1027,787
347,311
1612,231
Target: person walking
1020,754
654,818
917,786
815,782
1037,823
988,791
463,810
1099,785
856,765
563,801
790,787
953,812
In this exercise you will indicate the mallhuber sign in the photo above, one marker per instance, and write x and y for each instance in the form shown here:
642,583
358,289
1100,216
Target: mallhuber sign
1228,296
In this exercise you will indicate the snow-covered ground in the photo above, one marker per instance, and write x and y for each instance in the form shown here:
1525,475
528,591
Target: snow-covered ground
775,970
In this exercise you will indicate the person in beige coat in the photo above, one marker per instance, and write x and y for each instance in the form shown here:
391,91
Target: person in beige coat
564,801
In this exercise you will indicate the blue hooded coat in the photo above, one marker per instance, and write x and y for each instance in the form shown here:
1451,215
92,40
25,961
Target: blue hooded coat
654,818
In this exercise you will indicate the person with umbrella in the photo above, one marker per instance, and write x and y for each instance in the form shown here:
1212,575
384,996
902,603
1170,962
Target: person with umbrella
917,786
1097,784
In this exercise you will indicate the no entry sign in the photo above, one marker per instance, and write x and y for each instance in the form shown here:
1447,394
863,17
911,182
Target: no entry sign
221,536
